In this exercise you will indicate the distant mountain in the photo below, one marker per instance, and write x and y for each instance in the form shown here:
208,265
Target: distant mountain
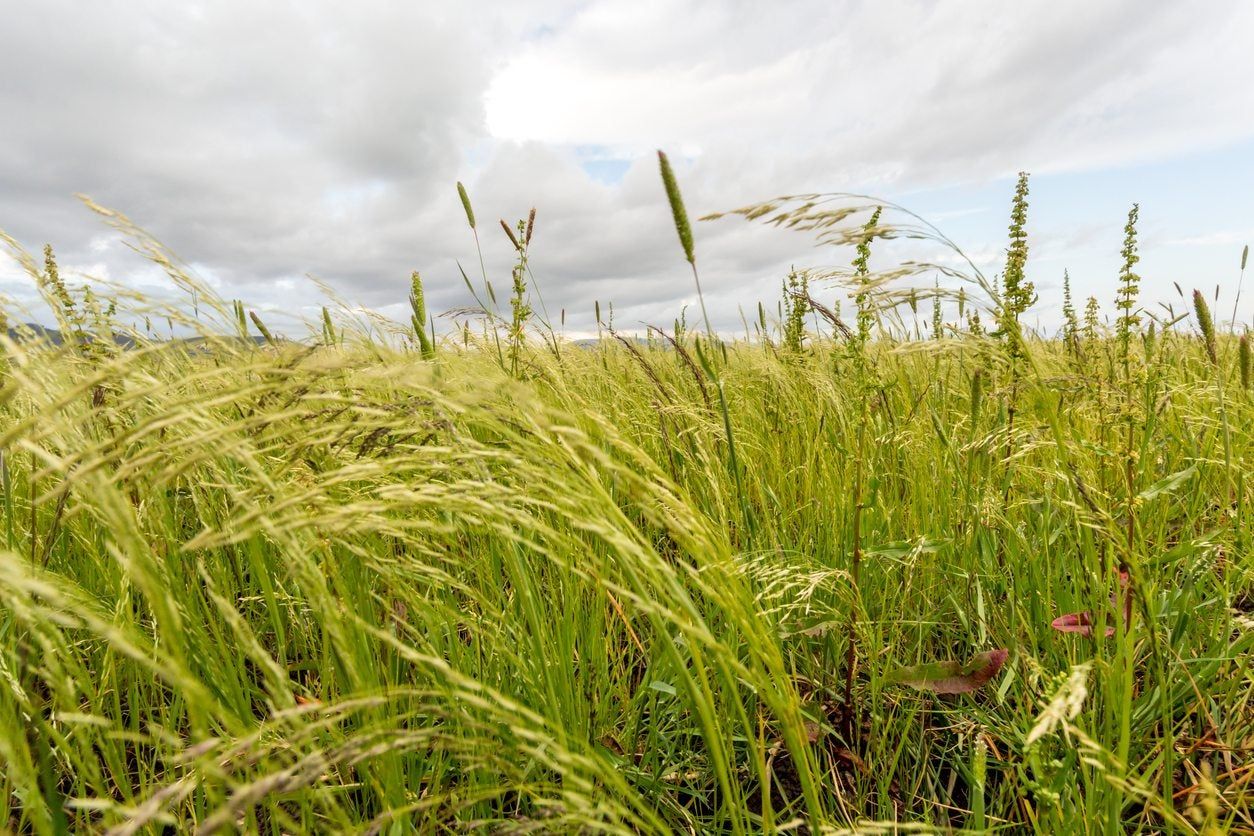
31,330
593,342
35,331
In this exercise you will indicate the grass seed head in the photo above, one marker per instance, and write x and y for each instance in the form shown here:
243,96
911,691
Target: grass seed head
418,317
1206,325
1244,361
676,201
470,213
510,233
261,327
328,327
977,395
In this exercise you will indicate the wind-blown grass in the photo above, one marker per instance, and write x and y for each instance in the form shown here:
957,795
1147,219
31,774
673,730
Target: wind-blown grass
343,587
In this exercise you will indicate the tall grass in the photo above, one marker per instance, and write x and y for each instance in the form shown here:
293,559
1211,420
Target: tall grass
363,583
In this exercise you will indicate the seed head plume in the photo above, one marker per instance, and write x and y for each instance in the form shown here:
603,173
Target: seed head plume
976,396
513,239
1236,303
328,327
683,228
677,207
418,317
1244,361
1206,325
261,326
470,213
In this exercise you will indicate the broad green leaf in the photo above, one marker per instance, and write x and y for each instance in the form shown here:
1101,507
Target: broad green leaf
1168,484
951,677
900,549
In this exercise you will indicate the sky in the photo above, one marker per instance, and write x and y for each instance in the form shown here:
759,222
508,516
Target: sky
277,147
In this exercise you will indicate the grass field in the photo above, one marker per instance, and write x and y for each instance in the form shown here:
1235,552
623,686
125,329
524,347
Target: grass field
497,581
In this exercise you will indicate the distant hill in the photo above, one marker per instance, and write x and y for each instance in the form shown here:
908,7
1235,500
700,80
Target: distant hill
35,331
593,342
30,330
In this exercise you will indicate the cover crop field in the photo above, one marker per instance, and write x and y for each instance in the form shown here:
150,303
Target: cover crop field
913,567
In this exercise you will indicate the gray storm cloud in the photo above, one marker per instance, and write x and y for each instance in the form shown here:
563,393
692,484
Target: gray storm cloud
267,142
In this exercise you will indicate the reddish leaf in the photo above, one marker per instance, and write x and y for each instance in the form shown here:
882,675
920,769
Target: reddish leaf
1077,622
951,677
1082,622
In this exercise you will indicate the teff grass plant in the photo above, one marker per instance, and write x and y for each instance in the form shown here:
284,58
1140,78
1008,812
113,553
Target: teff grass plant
327,585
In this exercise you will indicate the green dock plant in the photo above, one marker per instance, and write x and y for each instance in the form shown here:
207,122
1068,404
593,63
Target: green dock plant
1017,294
795,306
519,303
1133,417
865,385
1070,320
1092,320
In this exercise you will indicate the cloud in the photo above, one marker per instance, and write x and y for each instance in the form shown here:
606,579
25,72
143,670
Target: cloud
916,88
264,142
885,97
1227,237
